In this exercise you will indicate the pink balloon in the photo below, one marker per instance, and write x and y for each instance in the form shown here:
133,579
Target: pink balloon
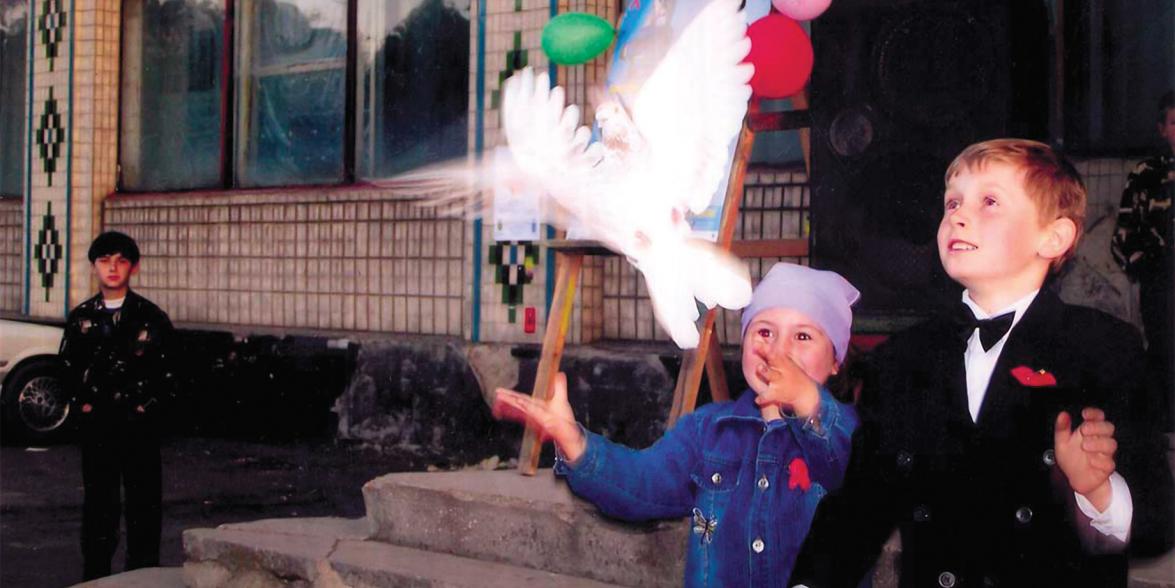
801,9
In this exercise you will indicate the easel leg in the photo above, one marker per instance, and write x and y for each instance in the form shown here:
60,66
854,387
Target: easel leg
693,362
716,371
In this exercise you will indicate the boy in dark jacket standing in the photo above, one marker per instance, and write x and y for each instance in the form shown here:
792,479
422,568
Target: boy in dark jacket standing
115,350
1142,246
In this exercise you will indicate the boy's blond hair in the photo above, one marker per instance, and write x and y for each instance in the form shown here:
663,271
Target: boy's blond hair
1050,180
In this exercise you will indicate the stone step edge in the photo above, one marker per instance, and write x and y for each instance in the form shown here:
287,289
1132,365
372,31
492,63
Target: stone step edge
533,522
327,552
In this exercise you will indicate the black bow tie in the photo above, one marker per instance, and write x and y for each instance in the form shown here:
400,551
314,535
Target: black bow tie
991,330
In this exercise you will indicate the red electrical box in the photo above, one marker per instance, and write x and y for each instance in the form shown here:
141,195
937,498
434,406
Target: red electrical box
528,322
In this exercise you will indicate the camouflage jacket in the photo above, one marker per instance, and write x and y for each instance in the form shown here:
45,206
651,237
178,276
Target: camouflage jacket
119,361
1142,242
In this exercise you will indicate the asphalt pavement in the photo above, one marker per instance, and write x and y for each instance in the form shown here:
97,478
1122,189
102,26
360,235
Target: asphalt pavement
206,481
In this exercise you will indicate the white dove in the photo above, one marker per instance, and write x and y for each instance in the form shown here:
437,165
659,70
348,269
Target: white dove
631,189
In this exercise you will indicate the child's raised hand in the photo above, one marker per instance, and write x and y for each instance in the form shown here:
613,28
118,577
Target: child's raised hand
788,387
1086,455
552,418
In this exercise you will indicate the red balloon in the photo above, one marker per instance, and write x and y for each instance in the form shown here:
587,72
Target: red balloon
782,55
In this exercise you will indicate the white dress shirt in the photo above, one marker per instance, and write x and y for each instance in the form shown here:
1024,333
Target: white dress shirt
980,364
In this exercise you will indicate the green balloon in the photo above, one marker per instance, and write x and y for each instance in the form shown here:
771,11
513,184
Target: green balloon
573,38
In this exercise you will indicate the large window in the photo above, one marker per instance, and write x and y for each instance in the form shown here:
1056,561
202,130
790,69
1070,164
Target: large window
1119,58
172,105
291,88
294,67
415,77
13,53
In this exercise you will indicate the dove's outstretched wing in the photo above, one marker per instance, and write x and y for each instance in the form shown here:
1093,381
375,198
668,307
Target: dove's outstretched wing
692,106
543,132
551,151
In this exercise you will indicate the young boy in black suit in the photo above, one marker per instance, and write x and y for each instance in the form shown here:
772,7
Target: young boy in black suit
967,443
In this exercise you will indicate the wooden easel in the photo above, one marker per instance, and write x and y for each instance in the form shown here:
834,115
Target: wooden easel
707,356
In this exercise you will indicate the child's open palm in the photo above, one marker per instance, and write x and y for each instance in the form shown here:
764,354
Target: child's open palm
551,418
1086,454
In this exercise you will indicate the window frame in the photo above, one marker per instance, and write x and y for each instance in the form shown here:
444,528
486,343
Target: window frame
233,120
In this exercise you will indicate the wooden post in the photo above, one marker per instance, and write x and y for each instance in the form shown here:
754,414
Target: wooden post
800,102
716,371
567,267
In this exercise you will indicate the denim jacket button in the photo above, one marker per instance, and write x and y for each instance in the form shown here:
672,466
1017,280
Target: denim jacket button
757,545
763,483
716,478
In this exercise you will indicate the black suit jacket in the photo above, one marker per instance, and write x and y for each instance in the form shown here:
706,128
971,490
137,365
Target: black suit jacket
984,503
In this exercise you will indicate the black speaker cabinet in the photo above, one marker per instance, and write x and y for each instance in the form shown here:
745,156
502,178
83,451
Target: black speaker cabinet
898,89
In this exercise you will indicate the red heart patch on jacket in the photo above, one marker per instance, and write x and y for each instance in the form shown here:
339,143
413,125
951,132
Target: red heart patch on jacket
1033,378
797,474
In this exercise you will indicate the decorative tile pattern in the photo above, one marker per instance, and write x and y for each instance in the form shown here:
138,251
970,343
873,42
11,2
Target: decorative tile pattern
50,136
52,25
516,59
514,267
48,250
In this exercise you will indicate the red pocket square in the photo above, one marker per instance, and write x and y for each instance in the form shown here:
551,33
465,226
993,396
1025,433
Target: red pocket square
1033,378
797,474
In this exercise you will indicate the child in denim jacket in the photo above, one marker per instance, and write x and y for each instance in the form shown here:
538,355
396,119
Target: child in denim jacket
750,472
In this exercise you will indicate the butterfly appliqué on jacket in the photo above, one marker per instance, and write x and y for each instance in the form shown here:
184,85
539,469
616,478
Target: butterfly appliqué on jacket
704,527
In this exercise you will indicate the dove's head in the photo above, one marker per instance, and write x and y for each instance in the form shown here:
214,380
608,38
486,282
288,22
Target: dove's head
801,315
616,128
610,113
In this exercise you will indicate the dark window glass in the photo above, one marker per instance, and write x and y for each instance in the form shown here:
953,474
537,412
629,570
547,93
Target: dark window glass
415,84
171,94
1119,59
283,119
291,92
13,50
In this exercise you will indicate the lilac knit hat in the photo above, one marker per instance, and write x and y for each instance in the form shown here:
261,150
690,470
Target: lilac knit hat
824,296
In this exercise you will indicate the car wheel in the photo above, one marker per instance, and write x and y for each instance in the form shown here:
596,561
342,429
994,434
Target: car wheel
36,405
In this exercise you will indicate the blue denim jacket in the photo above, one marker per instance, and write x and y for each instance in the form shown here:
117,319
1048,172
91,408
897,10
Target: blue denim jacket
733,473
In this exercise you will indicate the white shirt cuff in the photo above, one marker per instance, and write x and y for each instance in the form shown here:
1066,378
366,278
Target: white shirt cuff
1115,521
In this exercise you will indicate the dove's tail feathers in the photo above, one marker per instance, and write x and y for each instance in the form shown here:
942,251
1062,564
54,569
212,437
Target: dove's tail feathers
673,305
456,188
718,278
678,277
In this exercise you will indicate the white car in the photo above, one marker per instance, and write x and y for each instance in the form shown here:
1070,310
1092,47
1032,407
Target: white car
34,403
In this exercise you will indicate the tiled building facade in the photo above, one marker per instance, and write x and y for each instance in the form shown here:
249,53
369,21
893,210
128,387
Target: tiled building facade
348,256
335,258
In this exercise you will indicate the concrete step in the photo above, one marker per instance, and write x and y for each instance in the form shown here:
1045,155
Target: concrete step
142,578
533,522
334,553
